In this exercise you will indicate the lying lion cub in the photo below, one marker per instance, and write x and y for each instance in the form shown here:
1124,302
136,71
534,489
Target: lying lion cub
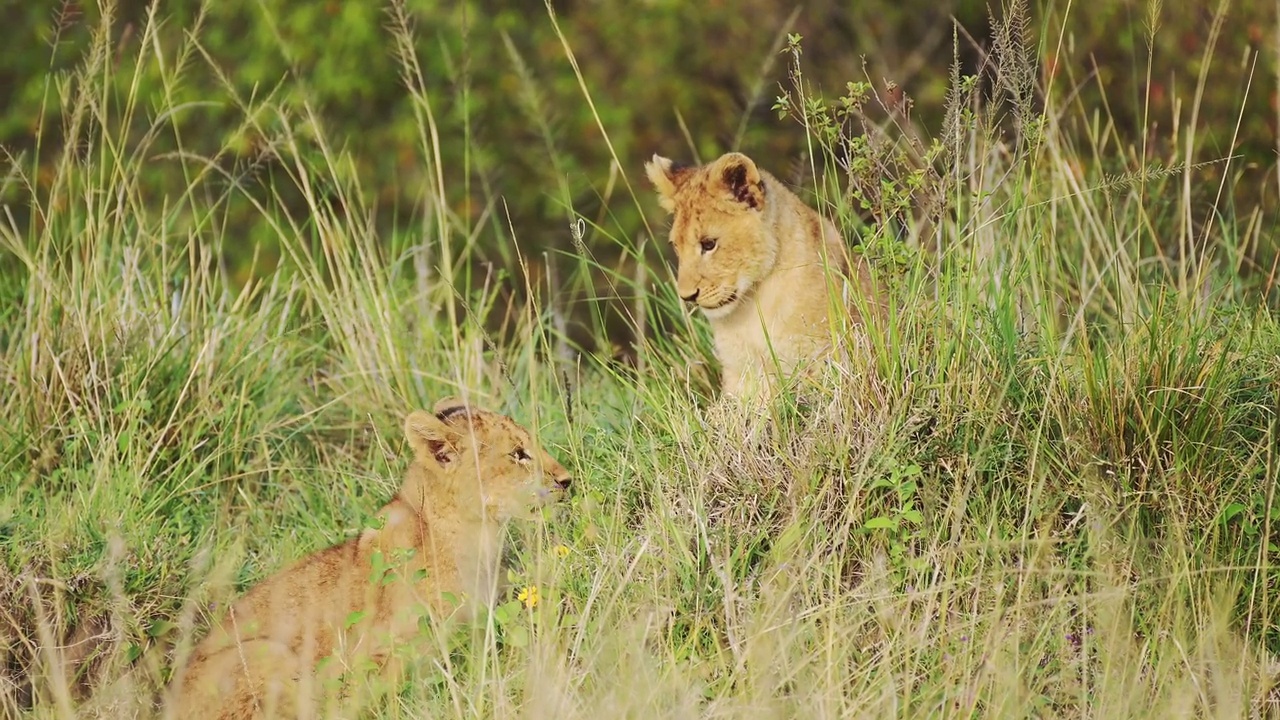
761,265
472,470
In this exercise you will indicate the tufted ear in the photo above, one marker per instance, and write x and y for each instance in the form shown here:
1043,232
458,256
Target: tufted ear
740,178
667,177
431,438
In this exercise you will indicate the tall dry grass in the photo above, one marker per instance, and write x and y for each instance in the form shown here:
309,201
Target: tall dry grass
1045,486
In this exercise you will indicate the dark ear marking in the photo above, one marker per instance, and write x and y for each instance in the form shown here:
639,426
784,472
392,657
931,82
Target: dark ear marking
735,178
451,412
430,437
449,408
443,451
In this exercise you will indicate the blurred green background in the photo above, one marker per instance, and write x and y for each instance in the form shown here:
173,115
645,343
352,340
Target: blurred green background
521,148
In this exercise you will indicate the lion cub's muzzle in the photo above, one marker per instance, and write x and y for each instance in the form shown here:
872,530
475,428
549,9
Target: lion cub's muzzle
561,490
555,491
724,302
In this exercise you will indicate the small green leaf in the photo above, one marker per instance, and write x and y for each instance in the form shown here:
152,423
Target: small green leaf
1232,511
353,618
379,570
881,523
913,516
506,612
517,636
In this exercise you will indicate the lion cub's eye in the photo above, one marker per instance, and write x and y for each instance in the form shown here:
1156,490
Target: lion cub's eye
708,244
520,455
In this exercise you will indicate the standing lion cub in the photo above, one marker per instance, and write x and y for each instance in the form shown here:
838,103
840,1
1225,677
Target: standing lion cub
763,267
440,536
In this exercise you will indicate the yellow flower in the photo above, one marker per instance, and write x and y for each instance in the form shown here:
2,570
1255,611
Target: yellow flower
561,551
529,596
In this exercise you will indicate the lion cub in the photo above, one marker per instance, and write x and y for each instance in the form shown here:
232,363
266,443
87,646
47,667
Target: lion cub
761,265
472,470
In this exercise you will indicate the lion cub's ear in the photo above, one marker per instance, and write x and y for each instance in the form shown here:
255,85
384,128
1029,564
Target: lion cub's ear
451,407
431,438
667,177
740,177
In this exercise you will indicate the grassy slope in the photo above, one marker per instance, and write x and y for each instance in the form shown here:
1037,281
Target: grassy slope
1047,489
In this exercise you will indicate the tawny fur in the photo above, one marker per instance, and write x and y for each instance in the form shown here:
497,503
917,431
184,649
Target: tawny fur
762,265
472,470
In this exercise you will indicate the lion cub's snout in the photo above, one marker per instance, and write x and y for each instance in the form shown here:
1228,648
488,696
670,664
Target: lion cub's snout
552,484
560,480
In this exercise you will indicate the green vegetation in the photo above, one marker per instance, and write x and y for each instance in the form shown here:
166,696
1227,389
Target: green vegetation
1045,487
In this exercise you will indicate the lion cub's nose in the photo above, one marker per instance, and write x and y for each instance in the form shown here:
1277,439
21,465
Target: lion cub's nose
563,482
691,298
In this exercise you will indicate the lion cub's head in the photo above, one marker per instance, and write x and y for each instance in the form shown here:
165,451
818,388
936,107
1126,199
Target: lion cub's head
723,244
480,462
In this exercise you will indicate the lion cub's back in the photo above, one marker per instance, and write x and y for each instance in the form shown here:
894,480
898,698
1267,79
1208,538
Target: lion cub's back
300,607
